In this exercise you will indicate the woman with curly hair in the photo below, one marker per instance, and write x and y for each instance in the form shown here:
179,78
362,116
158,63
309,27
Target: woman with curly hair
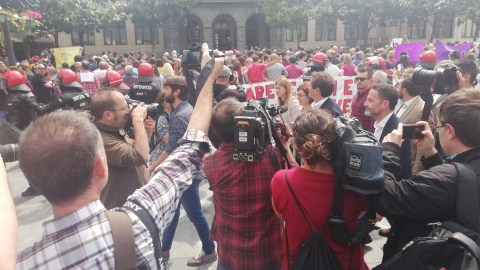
313,184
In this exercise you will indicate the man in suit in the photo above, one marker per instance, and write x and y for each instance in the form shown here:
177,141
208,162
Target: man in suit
322,88
380,103
409,109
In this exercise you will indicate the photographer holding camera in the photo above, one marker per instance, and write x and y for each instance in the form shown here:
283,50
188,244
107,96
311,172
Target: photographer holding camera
126,158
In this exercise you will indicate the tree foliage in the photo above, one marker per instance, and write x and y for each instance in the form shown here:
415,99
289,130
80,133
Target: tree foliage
436,12
155,13
471,11
366,14
293,13
77,16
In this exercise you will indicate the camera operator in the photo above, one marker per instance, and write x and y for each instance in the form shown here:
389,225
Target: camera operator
144,90
431,195
13,87
242,199
72,97
126,158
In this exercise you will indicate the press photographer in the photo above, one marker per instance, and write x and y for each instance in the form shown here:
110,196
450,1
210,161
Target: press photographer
126,158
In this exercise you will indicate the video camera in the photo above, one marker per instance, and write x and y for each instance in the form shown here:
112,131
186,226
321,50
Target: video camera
255,129
443,80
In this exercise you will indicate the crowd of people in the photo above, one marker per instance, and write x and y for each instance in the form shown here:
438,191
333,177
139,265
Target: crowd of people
157,158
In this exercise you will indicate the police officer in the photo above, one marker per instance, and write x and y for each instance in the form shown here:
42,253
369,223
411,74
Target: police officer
144,90
13,86
318,63
72,97
114,79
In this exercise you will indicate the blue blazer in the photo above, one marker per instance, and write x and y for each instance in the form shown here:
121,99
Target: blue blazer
332,106
405,151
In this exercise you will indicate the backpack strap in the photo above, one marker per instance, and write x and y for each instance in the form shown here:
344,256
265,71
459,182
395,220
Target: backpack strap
468,201
295,197
152,228
123,241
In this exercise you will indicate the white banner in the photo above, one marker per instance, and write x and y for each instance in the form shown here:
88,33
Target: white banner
345,89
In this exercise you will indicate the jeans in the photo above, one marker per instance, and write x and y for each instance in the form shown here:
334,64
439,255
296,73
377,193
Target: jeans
191,203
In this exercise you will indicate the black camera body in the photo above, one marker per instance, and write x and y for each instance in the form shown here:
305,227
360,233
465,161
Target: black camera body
152,109
443,80
254,130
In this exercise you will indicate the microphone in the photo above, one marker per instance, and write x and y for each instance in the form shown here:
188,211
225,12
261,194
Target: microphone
282,109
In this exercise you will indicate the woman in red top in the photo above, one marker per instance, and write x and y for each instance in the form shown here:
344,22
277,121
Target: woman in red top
313,184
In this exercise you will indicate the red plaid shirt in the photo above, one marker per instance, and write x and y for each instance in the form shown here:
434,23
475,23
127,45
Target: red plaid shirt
358,110
90,87
247,232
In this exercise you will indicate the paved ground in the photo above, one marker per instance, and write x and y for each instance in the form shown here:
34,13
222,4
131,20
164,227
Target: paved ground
33,211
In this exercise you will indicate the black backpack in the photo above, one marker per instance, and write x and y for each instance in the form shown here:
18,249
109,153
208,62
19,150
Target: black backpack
316,253
450,245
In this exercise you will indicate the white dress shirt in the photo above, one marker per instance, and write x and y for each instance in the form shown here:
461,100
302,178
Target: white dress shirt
316,105
380,125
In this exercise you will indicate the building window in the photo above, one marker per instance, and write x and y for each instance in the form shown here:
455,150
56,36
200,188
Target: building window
446,30
143,34
326,28
116,34
353,31
292,32
88,38
416,30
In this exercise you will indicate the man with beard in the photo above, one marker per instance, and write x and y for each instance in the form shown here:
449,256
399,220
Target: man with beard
126,158
176,93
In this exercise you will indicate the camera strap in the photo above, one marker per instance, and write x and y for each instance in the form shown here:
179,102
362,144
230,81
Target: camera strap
427,108
202,79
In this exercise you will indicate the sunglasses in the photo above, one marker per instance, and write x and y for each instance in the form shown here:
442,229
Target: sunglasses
361,79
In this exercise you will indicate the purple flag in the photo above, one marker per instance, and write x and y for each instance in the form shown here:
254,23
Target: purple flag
414,50
443,50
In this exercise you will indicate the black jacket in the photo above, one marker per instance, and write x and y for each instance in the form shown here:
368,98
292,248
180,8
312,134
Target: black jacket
426,197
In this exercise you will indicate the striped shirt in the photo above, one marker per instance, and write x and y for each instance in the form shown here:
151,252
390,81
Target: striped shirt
83,239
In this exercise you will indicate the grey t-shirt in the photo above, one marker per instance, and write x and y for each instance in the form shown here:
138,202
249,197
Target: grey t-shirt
275,71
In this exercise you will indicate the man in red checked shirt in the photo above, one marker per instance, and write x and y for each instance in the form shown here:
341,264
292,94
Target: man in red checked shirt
363,81
87,79
247,232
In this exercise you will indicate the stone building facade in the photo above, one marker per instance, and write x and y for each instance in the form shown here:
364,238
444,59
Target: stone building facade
212,21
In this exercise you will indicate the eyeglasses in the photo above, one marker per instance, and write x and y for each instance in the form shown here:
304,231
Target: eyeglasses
301,95
123,109
40,68
361,79
437,128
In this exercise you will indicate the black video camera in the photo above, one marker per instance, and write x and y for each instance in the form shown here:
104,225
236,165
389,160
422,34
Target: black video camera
443,80
254,130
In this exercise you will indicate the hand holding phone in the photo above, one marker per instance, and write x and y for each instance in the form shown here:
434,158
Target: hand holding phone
412,132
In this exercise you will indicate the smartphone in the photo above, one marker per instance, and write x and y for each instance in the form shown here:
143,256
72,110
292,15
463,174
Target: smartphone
412,132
